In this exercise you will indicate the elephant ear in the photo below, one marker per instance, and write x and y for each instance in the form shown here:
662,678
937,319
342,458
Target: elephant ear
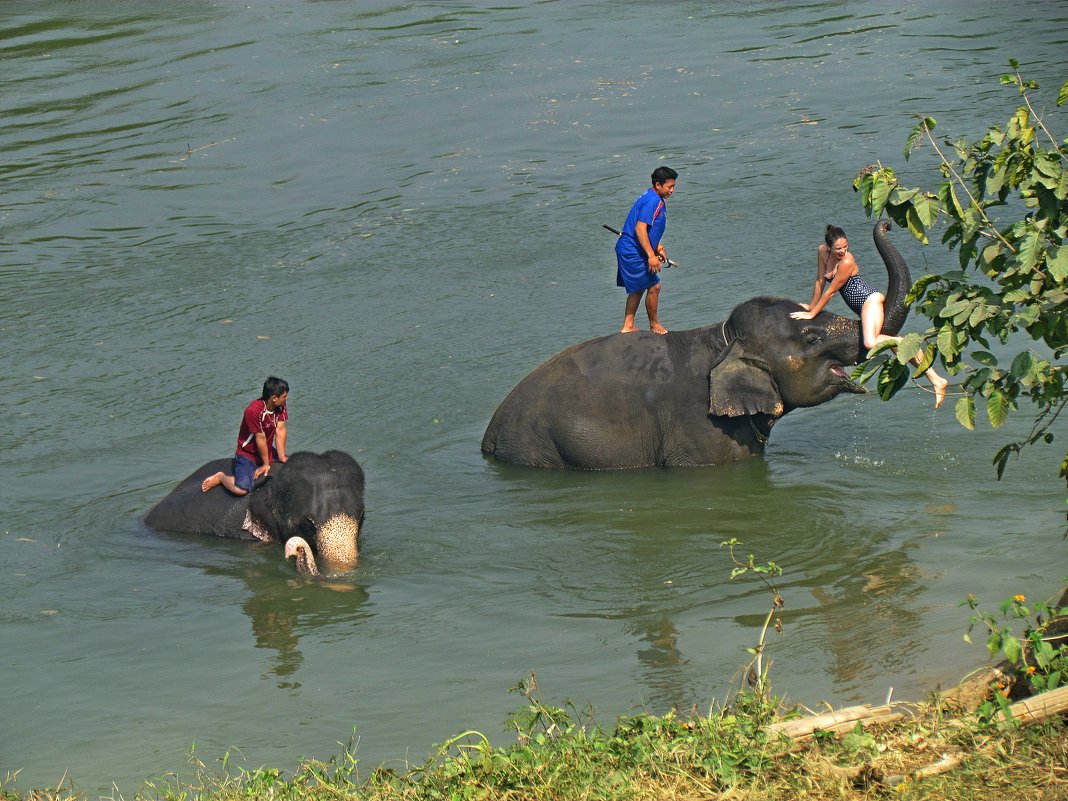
272,507
740,384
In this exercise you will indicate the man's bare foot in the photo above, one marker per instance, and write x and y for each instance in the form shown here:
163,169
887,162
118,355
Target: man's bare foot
656,328
211,482
940,384
629,329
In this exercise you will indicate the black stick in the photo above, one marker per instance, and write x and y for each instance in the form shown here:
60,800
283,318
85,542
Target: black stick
670,262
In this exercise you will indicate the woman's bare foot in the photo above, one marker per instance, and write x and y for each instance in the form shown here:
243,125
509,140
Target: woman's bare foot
211,482
656,328
629,329
940,384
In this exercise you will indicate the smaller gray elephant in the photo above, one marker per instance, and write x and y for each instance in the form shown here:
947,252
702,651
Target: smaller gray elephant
313,503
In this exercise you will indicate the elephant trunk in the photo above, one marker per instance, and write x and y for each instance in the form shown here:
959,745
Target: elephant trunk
335,544
900,282
301,552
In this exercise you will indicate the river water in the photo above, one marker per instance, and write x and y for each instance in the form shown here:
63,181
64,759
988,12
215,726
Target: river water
397,207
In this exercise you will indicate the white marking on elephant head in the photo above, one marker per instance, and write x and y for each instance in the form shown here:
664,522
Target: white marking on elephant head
337,540
254,528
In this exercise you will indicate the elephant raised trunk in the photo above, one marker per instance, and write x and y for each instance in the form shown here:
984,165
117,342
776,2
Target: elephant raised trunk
899,283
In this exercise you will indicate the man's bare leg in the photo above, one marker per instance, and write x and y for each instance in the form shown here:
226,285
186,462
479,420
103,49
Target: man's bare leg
652,302
226,481
633,299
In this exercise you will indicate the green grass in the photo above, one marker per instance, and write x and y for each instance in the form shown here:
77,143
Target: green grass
562,753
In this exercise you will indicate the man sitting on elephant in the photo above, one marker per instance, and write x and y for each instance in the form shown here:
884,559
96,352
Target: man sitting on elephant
260,439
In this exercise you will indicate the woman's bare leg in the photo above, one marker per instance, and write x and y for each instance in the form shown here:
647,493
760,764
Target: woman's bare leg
871,322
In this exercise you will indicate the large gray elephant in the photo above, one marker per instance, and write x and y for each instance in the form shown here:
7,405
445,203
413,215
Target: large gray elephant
313,503
705,396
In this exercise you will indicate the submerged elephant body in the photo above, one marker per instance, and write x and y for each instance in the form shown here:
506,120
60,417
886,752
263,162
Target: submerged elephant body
313,503
705,396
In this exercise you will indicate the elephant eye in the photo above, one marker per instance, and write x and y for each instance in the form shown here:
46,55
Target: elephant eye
814,339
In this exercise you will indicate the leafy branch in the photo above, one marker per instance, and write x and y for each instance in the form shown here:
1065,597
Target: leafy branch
1013,276
756,670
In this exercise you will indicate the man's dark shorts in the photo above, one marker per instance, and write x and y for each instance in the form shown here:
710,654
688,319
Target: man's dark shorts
244,470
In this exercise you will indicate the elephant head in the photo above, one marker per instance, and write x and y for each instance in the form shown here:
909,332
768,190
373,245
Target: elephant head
771,364
313,503
704,396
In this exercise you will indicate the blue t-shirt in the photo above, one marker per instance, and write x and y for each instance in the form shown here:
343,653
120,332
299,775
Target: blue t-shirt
651,210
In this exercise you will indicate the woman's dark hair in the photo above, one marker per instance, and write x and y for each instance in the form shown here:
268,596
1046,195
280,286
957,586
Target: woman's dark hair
661,175
274,386
833,233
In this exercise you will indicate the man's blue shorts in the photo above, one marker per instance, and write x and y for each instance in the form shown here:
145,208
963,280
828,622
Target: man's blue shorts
244,470
633,273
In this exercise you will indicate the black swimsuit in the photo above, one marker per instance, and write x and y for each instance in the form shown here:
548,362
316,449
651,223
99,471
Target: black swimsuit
855,291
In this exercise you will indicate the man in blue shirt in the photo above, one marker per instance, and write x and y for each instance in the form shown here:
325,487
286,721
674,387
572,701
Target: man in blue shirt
639,254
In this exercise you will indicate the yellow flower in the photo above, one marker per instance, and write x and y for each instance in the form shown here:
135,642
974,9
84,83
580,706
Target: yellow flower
1019,599
1030,670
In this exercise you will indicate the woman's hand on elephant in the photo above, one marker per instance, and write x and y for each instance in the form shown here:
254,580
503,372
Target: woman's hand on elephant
802,315
262,470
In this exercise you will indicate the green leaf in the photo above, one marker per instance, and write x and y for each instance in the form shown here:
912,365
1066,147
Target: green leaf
892,378
954,205
1062,96
997,408
915,225
900,195
993,645
863,372
955,308
918,288
1013,650
1029,250
989,359
965,411
947,343
927,208
1021,365
908,348
880,191
1058,264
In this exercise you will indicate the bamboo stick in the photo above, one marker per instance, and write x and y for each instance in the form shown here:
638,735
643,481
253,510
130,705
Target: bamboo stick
836,720
1040,707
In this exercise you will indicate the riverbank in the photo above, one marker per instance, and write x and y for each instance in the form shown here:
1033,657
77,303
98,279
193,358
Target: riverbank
944,748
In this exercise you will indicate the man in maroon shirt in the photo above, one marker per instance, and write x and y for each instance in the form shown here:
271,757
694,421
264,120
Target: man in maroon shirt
260,440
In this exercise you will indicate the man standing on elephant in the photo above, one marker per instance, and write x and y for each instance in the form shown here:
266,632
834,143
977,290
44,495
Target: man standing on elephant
639,254
260,440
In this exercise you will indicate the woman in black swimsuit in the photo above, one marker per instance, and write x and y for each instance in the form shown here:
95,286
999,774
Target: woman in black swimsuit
836,267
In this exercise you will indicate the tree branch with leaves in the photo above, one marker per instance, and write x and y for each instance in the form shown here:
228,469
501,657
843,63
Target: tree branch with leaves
1003,201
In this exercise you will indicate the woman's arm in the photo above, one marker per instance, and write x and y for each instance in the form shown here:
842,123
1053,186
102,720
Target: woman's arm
847,268
817,290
